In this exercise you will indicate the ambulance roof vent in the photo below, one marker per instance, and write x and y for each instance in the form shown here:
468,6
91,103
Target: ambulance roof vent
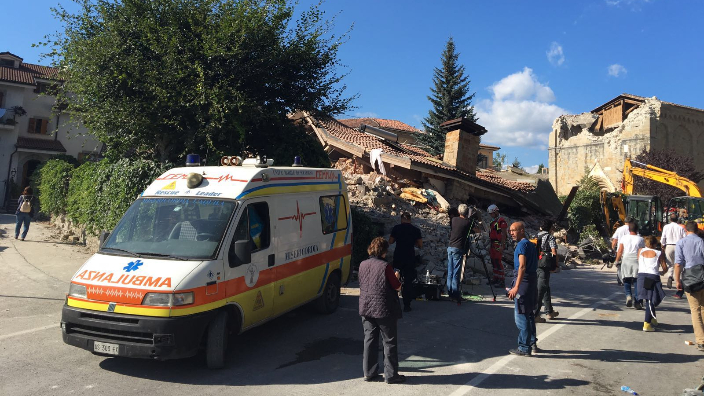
259,162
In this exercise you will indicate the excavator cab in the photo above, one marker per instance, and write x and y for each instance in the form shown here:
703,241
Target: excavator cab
647,210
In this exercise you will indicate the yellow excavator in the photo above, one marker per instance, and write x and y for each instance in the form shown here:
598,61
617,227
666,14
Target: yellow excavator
647,209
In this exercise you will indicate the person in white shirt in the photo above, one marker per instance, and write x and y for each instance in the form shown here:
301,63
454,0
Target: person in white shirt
621,231
650,260
628,246
671,233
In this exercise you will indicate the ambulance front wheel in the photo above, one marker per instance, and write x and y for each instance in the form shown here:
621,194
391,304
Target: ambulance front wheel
328,302
216,342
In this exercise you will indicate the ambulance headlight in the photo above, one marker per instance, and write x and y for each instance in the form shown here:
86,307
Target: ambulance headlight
168,299
183,298
78,291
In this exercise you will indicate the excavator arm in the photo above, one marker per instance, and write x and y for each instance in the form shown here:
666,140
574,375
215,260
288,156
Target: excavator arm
659,175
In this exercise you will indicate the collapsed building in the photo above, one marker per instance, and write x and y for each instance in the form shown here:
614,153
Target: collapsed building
600,140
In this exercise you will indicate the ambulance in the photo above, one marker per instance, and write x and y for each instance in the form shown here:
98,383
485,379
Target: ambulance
210,251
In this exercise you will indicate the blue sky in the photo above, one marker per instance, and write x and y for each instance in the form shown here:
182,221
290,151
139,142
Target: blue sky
528,61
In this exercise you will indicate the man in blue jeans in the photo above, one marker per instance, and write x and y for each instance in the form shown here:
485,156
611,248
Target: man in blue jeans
459,229
524,290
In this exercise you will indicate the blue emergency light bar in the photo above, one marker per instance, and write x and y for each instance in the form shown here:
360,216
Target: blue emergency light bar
193,160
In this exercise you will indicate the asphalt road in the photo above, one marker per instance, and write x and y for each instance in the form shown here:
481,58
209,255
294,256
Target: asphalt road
594,347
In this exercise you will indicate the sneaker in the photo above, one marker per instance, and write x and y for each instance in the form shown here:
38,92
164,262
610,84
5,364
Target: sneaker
553,314
700,347
17,236
21,239
518,352
399,379
679,294
647,327
629,301
540,319
535,348
669,282
637,305
373,378
654,322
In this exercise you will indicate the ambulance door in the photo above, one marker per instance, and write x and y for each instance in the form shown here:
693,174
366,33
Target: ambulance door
298,236
251,284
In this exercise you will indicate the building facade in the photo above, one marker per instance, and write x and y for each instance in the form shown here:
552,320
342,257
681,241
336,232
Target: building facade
30,131
598,142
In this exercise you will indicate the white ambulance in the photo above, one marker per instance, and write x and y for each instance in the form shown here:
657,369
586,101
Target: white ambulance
209,251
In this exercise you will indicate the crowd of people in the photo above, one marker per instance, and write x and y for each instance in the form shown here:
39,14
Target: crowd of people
679,254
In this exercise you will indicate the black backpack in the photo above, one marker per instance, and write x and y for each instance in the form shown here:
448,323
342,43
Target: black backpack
546,260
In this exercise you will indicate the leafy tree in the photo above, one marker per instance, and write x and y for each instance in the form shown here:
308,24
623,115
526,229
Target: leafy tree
450,99
516,163
585,208
668,160
540,169
499,160
158,79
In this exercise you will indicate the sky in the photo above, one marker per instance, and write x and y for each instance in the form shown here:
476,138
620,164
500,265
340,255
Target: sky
528,61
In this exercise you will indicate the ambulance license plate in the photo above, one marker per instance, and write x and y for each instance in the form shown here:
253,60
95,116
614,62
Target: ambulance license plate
104,347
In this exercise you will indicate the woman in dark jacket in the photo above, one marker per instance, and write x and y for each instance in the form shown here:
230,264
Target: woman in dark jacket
24,212
380,310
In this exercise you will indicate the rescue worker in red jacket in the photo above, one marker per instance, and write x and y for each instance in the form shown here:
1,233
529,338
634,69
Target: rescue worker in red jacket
498,236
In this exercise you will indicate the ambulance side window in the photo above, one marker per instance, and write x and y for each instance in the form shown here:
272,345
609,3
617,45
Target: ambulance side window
254,226
333,213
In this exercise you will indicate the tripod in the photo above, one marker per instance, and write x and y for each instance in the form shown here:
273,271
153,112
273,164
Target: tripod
470,253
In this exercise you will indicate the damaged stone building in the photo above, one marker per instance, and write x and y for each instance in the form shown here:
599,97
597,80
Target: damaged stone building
599,141
455,176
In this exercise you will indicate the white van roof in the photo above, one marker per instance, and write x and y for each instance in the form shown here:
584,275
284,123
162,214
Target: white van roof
238,182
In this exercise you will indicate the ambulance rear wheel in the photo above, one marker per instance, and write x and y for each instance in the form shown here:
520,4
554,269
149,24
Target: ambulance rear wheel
216,342
328,302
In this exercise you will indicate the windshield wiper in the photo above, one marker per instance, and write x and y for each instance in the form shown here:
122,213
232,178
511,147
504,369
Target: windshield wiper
144,254
122,250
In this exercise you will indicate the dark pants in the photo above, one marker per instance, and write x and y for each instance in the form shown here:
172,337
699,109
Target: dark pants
370,360
649,312
22,218
544,298
409,274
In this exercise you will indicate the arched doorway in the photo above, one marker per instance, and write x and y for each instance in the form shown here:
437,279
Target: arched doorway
27,171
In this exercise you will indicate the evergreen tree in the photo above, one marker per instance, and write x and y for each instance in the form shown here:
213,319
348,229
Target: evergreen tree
450,99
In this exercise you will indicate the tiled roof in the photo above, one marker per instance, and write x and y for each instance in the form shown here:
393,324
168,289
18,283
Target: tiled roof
641,99
418,156
26,73
40,144
379,123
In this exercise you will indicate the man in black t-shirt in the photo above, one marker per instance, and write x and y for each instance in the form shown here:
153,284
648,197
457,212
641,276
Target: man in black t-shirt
459,229
406,236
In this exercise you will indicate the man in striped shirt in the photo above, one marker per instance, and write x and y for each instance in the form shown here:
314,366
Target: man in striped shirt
671,233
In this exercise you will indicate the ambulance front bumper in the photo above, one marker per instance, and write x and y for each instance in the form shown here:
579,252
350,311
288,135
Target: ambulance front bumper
110,334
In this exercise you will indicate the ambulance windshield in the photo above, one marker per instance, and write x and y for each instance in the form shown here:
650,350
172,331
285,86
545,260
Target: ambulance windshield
180,228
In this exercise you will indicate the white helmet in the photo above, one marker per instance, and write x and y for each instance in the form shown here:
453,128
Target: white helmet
492,208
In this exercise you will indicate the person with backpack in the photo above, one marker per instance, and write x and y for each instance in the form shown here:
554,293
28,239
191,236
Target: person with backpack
24,212
547,263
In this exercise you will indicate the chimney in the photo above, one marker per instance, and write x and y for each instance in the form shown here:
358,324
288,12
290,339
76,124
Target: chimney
462,144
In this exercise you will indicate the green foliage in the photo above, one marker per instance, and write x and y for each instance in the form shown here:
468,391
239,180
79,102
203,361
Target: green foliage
96,194
516,163
157,79
540,169
585,208
364,231
52,182
499,160
450,99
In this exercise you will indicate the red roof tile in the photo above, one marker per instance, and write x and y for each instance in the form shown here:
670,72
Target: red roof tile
40,144
418,156
26,73
379,123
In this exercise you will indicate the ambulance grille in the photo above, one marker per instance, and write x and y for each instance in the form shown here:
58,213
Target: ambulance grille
111,334
105,318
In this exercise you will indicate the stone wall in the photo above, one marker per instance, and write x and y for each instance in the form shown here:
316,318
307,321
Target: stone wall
574,148
70,232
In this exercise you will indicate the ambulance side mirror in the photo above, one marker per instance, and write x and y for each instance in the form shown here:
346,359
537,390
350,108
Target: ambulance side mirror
241,254
103,237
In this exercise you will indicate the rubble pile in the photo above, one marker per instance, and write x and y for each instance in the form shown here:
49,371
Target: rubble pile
384,199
